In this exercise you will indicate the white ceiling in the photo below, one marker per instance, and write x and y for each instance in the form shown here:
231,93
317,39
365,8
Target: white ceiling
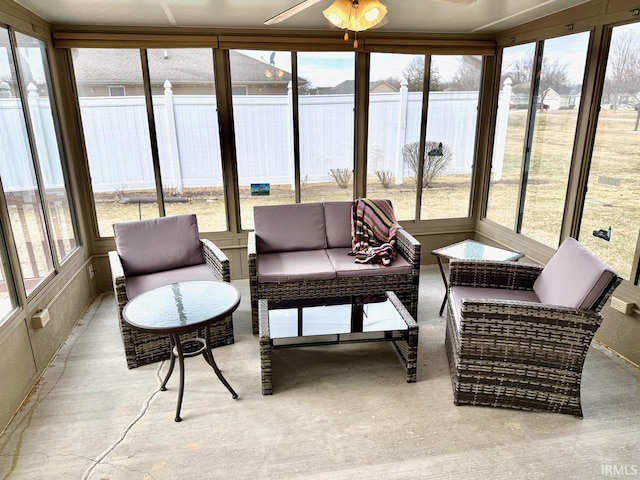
484,16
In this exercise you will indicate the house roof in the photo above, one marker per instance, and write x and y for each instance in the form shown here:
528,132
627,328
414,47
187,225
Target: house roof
573,90
348,86
193,65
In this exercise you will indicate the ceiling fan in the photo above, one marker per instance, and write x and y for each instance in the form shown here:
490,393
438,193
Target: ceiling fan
299,7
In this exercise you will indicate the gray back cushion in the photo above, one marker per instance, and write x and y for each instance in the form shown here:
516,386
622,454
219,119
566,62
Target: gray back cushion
158,244
337,217
288,228
574,277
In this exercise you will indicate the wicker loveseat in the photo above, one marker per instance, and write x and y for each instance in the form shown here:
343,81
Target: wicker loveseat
302,251
156,252
517,334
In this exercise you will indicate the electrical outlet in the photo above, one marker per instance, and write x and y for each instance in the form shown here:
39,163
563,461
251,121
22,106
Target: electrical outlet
40,318
622,306
90,271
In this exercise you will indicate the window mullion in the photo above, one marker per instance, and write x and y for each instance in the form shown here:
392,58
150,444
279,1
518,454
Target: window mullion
153,138
528,141
296,126
423,134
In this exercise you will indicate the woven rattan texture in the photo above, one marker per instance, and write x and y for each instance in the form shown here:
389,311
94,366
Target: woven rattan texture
144,348
405,286
517,354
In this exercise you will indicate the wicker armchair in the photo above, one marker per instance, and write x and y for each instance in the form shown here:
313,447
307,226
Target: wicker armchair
506,348
142,348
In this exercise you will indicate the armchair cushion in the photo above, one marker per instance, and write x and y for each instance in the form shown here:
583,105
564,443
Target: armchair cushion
143,283
288,228
457,294
573,277
167,243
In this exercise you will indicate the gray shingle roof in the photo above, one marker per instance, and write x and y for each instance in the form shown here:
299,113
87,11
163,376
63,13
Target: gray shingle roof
96,65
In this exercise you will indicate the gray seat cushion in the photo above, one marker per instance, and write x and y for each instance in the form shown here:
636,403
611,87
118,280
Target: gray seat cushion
143,283
337,218
158,244
344,265
574,277
294,266
457,294
288,228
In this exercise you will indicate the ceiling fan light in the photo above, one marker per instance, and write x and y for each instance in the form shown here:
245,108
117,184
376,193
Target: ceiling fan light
338,13
372,14
355,16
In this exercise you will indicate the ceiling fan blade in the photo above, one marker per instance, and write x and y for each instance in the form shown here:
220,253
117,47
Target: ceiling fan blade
289,12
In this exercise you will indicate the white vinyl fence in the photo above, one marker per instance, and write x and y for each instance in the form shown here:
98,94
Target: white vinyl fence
116,134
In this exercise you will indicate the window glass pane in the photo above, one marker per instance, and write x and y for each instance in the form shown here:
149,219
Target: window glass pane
9,128
326,87
35,76
556,113
263,125
612,204
511,127
395,114
19,180
186,123
454,92
116,135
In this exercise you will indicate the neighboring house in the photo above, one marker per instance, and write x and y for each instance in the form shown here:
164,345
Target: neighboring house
561,98
188,70
553,98
348,87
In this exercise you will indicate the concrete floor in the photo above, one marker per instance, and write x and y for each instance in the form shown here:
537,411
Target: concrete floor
338,412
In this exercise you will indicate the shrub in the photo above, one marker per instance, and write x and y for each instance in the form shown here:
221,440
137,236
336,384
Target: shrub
433,164
386,177
342,176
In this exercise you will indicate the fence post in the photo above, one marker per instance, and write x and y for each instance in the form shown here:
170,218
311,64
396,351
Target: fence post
173,154
402,132
500,137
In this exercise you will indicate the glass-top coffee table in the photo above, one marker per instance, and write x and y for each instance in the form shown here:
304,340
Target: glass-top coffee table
182,308
304,323
471,250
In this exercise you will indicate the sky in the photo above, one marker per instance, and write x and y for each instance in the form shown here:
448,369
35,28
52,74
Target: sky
328,69
570,50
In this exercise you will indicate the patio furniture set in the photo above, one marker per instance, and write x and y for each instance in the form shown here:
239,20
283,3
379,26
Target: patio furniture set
516,334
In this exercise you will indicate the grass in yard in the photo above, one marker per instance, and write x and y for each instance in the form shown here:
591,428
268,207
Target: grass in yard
615,203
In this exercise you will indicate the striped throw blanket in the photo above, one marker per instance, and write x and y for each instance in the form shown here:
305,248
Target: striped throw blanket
373,231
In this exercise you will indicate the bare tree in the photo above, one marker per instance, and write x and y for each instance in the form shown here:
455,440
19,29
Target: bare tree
394,81
622,84
414,73
469,73
434,163
553,74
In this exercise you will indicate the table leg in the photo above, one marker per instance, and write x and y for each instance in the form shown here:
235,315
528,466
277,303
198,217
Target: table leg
265,365
176,341
446,284
412,354
163,387
208,355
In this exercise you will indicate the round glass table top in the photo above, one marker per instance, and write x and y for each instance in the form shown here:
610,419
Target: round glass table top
182,306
